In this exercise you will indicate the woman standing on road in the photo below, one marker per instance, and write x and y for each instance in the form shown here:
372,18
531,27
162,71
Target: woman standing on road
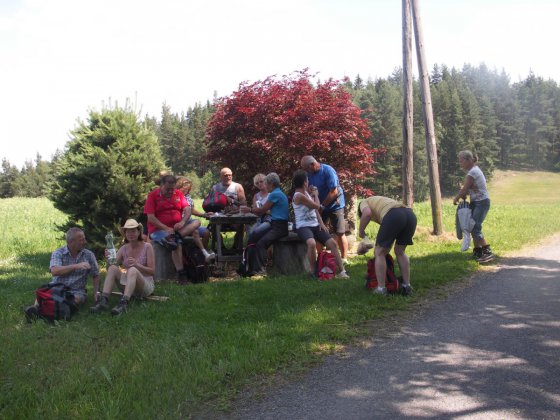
475,186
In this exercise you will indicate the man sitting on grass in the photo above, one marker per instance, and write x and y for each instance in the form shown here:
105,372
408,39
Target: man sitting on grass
71,265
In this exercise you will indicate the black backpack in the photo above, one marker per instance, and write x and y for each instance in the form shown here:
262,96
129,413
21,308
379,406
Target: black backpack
246,267
196,267
55,302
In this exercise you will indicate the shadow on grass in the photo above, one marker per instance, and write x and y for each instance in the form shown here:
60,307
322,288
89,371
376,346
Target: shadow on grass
491,350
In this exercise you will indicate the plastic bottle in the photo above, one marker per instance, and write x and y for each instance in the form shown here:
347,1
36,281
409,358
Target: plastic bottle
111,251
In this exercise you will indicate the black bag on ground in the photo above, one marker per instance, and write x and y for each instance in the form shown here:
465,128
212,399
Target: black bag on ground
196,267
55,302
246,267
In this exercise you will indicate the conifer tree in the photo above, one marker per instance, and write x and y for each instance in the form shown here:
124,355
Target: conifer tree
106,172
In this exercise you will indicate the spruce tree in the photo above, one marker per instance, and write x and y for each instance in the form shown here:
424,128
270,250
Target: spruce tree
106,172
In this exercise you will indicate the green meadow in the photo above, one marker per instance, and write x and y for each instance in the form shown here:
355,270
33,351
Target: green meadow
207,343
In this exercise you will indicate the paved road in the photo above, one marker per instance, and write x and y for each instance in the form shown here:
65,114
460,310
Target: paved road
488,351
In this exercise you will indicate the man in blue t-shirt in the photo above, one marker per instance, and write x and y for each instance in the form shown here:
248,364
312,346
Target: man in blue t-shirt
331,196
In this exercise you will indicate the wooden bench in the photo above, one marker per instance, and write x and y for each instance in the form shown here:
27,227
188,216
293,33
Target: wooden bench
290,255
165,269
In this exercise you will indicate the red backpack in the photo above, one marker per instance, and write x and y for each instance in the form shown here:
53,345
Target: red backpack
392,283
214,202
55,302
326,265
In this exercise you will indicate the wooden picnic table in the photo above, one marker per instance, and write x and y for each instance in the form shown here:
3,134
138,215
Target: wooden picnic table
219,223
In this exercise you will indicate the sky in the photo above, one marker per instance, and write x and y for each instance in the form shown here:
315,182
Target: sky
59,59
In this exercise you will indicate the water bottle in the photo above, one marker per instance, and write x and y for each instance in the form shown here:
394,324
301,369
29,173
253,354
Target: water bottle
111,251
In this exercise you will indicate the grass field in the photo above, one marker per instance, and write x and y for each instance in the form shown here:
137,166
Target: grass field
208,342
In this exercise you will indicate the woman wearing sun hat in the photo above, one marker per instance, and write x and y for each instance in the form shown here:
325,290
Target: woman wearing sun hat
137,258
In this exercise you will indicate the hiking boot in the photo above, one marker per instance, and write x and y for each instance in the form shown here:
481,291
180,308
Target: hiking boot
486,255
101,305
342,275
31,313
406,290
477,253
120,308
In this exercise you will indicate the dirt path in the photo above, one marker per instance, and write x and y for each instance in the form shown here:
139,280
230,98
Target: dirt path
490,350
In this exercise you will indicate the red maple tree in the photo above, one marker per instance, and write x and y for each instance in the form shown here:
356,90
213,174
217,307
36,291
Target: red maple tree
268,126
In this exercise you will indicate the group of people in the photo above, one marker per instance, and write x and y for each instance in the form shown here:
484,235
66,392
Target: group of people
317,198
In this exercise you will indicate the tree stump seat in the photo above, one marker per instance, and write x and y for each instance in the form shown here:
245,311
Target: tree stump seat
165,269
289,255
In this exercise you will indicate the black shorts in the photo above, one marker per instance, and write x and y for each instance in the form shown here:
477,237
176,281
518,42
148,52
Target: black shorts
337,220
314,232
398,225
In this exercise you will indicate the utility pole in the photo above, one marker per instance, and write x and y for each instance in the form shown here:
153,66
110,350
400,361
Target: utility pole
431,149
408,129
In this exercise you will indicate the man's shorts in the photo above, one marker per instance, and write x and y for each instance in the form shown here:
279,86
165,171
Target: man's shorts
314,232
399,225
336,219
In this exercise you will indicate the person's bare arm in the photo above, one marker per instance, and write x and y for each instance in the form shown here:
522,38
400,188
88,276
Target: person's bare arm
465,189
241,195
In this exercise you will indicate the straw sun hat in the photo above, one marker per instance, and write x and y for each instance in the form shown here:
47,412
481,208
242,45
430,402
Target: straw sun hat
131,224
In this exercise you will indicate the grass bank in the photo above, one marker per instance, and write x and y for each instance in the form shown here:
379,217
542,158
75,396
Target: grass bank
167,359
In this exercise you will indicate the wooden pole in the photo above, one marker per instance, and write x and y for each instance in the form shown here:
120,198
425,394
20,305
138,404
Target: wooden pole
408,129
431,149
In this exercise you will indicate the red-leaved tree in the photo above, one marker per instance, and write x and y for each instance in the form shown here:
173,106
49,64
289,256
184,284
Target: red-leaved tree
268,126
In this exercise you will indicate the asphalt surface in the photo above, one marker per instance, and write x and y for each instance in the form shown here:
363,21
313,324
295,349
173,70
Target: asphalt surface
488,351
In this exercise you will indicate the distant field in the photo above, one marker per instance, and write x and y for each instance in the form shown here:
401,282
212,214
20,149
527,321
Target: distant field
208,342
524,187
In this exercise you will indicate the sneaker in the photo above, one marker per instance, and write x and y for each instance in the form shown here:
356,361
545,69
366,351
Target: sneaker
342,275
169,243
120,308
487,256
380,291
344,261
210,257
406,289
101,305
31,313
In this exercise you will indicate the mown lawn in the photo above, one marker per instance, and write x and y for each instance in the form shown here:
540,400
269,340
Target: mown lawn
207,342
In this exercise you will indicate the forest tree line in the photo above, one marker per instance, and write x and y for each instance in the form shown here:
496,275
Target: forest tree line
508,125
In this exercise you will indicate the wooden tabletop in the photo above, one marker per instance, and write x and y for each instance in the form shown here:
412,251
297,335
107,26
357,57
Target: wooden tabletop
233,218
